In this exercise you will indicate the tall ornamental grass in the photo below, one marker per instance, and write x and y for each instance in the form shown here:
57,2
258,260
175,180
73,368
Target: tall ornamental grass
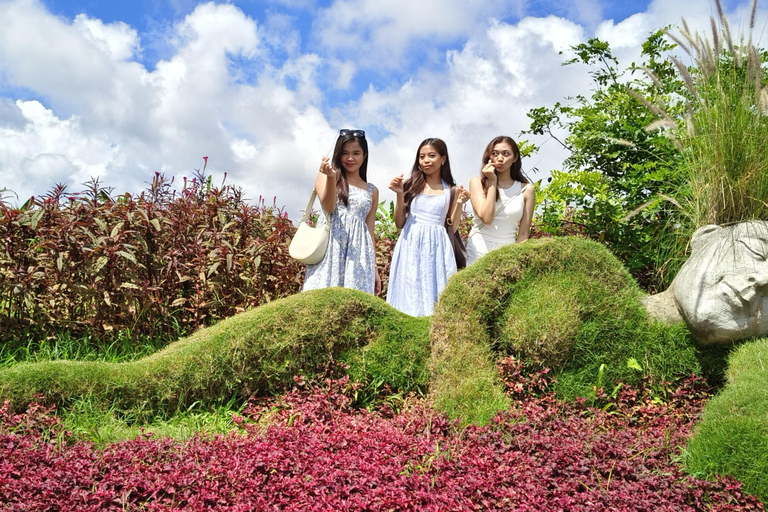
724,138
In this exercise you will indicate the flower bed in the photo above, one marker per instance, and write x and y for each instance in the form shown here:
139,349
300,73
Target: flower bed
309,450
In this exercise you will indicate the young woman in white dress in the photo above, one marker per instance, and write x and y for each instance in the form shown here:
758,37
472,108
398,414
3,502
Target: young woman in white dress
502,199
423,259
344,192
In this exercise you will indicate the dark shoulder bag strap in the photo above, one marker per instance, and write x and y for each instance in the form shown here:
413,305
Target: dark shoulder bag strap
450,206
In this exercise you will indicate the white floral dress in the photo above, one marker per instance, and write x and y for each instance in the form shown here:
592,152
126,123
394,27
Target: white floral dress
350,260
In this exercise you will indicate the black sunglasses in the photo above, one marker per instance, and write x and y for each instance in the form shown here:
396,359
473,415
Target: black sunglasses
354,133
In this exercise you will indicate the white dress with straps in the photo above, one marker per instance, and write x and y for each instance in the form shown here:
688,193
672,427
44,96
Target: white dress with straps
423,259
503,230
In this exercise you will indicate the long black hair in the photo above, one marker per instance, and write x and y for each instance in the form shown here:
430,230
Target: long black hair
414,185
516,171
342,185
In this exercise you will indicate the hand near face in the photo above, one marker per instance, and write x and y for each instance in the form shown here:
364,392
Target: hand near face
489,171
396,185
325,167
462,195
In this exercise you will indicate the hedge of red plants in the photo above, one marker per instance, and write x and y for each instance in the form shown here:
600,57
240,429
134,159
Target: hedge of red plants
309,450
160,263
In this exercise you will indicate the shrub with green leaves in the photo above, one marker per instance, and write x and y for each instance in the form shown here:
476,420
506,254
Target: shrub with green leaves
723,136
609,187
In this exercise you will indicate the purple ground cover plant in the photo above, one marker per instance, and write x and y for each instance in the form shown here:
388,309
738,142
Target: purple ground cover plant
311,450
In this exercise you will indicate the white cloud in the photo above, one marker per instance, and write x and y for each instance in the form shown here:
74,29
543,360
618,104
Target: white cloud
489,86
377,33
46,150
130,122
243,93
118,40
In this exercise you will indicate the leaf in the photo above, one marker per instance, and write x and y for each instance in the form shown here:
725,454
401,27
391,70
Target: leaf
129,256
103,260
179,302
107,299
130,286
60,261
229,261
212,268
37,215
100,222
156,223
116,230
632,363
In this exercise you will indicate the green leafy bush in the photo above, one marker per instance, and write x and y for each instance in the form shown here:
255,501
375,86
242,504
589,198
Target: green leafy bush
723,135
614,180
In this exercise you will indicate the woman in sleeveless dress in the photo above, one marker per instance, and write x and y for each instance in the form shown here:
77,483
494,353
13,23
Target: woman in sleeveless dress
502,199
344,192
423,258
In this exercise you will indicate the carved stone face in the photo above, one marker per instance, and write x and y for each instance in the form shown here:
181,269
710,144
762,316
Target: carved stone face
722,290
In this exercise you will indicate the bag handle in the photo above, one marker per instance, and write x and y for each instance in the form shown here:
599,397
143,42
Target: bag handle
448,221
308,210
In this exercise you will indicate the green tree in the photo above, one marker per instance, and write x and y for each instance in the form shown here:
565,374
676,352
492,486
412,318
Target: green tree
618,174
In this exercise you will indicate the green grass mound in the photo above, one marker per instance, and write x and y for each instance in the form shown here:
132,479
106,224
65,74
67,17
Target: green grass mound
732,438
254,352
566,303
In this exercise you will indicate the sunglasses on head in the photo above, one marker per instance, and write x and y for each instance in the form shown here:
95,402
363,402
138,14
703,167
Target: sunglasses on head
354,133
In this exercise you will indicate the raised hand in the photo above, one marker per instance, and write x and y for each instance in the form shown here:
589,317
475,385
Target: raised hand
489,171
325,167
396,185
462,195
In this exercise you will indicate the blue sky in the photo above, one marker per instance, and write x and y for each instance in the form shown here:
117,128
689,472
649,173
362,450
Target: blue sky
120,90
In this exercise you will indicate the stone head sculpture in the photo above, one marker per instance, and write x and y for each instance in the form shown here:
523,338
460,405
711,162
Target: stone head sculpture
722,290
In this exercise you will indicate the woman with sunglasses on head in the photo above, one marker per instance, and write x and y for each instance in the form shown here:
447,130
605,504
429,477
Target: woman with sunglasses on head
344,192
423,258
502,198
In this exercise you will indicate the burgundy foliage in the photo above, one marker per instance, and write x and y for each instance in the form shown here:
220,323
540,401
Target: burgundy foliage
317,453
161,263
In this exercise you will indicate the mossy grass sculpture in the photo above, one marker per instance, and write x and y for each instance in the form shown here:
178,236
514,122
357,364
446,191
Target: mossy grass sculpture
254,352
566,303
732,438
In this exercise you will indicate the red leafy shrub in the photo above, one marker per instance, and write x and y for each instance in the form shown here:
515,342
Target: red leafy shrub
309,450
161,263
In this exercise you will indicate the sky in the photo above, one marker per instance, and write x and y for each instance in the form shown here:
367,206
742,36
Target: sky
121,90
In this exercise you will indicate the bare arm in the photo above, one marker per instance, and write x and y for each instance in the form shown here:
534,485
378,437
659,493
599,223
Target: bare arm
484,203
524,230
462,196
396,185
325,185
370,221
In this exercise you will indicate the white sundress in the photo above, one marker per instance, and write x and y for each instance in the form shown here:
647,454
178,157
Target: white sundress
503,230
350,260
423,258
